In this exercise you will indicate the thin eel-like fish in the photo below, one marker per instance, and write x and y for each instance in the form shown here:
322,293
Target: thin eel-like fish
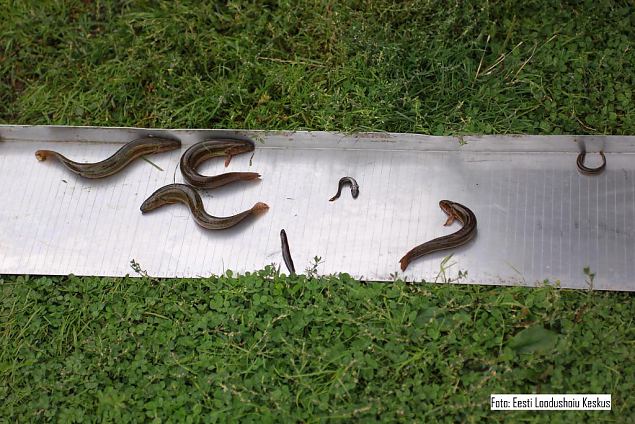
183,193
208,149
590,171
466,233
130,151
342,183
286,254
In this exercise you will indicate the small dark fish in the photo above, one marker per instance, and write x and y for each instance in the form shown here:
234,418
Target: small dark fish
342,183
183,193
454,211
122,157
590,171
213,148
286,254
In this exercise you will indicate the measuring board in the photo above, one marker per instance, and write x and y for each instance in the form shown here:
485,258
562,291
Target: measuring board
538,217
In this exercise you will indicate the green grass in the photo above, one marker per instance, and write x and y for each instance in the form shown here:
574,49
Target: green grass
261,347
464,67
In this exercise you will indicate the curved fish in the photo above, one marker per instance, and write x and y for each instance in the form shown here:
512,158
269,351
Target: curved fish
208,149
466,233
186,194
130,151
286,254
342,183
590,171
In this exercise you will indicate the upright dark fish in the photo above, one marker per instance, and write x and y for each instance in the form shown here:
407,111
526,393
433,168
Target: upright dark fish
130,151
454,211
186,194
208,149
286,254
590,171
342,183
